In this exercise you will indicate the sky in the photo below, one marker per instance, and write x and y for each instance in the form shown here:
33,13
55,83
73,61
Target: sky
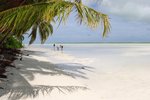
130,22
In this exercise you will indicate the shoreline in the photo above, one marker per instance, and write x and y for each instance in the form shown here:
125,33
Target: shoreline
94,43
101,43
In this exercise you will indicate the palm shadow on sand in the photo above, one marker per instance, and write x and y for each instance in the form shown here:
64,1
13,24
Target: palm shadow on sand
18,86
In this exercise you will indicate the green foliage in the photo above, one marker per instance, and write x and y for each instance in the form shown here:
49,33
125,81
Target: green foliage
13,42
39,14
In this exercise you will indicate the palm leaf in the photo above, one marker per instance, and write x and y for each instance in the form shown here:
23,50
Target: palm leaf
21,19
33,34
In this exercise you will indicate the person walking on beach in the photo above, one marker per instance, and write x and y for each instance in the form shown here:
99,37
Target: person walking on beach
54,46
57,48
61,47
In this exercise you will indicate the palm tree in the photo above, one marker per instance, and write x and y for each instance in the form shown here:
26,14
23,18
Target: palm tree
19,16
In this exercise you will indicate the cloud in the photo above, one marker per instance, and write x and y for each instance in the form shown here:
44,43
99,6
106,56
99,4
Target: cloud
90,2
138,10
87,2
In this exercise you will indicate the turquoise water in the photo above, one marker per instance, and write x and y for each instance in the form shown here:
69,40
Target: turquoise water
104,58
99,49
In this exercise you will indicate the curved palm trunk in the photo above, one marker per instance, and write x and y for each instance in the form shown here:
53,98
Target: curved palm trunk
8,4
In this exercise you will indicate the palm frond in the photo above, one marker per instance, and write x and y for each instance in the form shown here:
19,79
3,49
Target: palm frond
21,19
33,34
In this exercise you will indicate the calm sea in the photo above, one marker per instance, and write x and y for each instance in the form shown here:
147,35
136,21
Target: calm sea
97,49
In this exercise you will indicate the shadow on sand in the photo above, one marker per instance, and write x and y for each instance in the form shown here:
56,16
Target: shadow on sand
17,85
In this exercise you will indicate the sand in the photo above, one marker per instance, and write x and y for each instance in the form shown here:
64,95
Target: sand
51,75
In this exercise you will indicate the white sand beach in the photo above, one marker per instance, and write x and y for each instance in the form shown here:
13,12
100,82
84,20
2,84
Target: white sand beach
80,72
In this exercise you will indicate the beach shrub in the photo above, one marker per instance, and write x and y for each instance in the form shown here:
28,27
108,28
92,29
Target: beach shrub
13,42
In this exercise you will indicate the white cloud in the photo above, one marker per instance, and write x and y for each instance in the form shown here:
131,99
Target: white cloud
91,2
130,9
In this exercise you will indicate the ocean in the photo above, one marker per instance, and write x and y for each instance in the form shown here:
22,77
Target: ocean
115,54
